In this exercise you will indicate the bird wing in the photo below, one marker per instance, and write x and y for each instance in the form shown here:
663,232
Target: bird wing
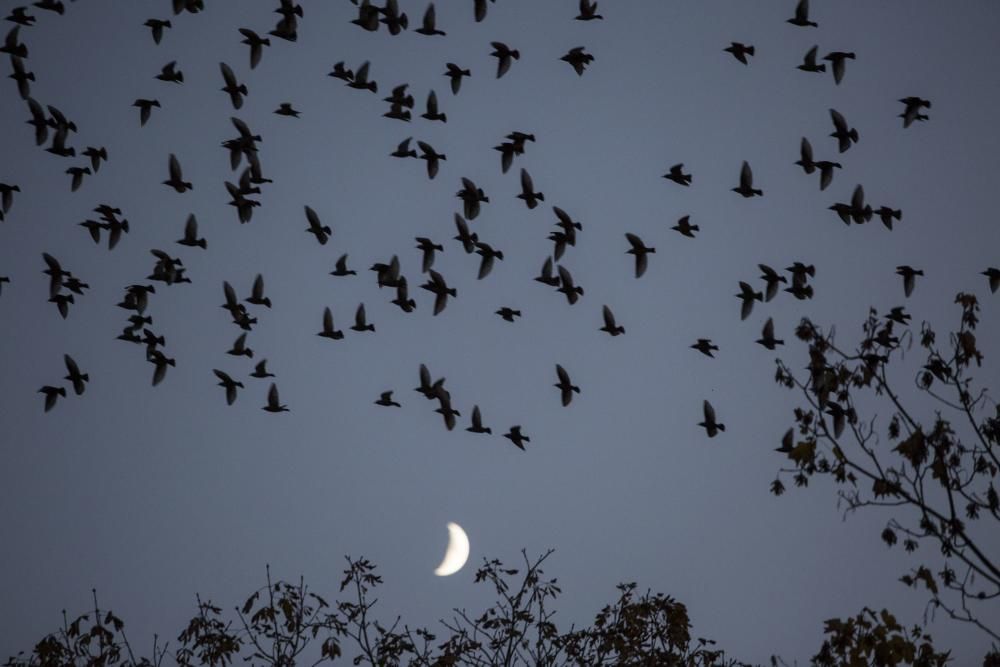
228,76
327,320
272,396
191,228
527,186
746,176
839,123
635,241
359,316
71,366
175,168
230,293
709,412
609,318
314,222
432,103
258,287
768,332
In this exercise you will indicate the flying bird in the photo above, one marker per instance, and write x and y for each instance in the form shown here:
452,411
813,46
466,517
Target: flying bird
515,436
767,338
565,386
385,399
528,194
685,227
566,285
677,175
772,279
740,51
748,296
256,44
706,347
233,88
844,134
488,254
432,157
176,180
838,63
260,370
508,313
455,73
96,155
578,59
801,17
640,251
360,320
911,112
504,55
170,73
993,275
273,401
432,112
257,297
229,383
909,275
145,109
746,183
711,426
51,395
809,62
439,288
341,270
610,326
316,228
75,377
477,422
429,24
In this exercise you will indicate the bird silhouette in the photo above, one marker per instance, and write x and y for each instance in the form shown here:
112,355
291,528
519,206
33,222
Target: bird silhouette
504,55
546,277
75,377
706,347
993,275
567,286
439,288
77,173
239,348
328,329
588,11
257,297
385,399
844,134
341,269
471,196
528,194
404,150
887,214
260,370
360,320
909,275
360,80
711,426
640,251
52,394
488,254
767,338
911,112
565,386
273,401
610,326
747,295
477,422
685,227
176,180
508,313
801,17
838,63
432,157
677,175
809,61
96,155
745,187
516,437
233,88
740,51
229,383
256,44
772,280
578,59
427,248
170,73
145,109
191,234
455,73
316,228
429,24
432,112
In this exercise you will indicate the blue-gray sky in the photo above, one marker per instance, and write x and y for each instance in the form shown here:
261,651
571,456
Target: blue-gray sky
153,494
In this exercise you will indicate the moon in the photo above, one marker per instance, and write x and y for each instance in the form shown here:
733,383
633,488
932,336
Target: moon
457,552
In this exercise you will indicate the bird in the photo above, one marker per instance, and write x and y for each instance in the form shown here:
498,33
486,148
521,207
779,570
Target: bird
740,51
393,19
706,347
748,296
316,228
809,62
471,196
4,279
233,88
341,269
437,286
256,44
826,172
328,330
22,77
640,251
746,188
170,73
578,59
51,395
285,109
51,5
909,275
515,436
432,157
546,276
239,348
191,234
176,180
260,370
508,313
20,16
341,72
844,135
403,150
677,175
528,194
7,196
479,9
488,254
76,378
399,97
160,363
403,300
273,401
610,326
385,399
801,17
455,73
588,11
806,156
993,275
77,173
360,80
767,338
565,386
145,109
229,383
446,411
567,286
360,321
899,316
504,55
837,62
685,227
772,279
432,112
96,155
427,247
477,422
887,214
257,297
429,24
711,426
12,44
911,112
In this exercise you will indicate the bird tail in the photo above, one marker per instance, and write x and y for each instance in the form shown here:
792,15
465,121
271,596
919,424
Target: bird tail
372,86
750,50
722,427
85,377
853,134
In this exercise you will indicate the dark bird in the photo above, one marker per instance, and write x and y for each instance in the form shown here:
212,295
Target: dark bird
711,426
471,196
748,296
479,9
899,316
504,55
12,45
385,399
96,155
430,389
399,97
404,150
746,183
801,17
993,274
844,135
145,109
273,401
170,73
22,77
515,436
446,411
565,385
233,88
432,112
566,285
77,173
838,63
176,180
157,26
677,175
429,25
229,383
7,196
578,59
160,363
76,378
51,395
360,321
685,227
912,110
705,346
260,370
546,276
567,225
403,300
740,51
767,338
909,275
367,16
62,302
806,160
341,268
772,280
640,251
455,73
393,19
610,326
20,16
432,157
38,121
507,153
427,247
360,80
328,329
477,422
809,62
560,241
826,172
51,5
341,72
528,194
508,314
191,234
519,139
55,273
256,44
588,11
318,229
240,349
257,297
439,288
887,214
488,254
387,275
801,272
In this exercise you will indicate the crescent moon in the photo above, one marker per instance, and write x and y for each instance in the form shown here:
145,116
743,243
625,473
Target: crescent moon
457,552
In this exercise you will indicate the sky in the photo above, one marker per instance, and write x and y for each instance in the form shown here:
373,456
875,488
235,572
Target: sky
152,494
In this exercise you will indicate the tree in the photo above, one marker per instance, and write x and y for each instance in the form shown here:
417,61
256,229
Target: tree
937,476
